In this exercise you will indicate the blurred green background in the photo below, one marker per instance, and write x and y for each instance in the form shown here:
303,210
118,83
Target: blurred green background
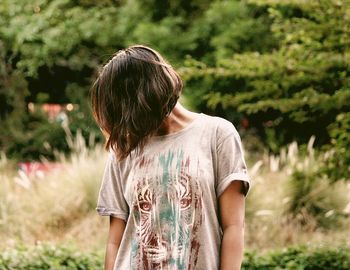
279,70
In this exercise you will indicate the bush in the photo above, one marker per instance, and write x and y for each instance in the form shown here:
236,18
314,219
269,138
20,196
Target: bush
312,198
37,137
338,159
47,256
300,257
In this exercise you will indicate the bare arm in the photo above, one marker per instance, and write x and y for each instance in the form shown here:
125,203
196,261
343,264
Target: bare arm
232,210
116,230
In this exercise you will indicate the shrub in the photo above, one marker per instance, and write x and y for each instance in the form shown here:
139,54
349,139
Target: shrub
299,257
338,160
37,137
66,257
313,199
46,256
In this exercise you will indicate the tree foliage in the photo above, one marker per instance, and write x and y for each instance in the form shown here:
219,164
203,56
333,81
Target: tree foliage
56,46
296,89
283,65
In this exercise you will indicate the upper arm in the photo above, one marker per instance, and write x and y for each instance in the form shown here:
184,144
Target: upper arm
232,179
232,206
116,230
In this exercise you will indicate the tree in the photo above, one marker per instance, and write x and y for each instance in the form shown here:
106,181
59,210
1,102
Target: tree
295,90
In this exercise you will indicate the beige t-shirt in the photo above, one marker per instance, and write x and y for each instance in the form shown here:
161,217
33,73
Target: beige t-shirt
168,196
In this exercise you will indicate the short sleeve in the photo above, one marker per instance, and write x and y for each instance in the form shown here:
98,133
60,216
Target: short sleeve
111,201
231,165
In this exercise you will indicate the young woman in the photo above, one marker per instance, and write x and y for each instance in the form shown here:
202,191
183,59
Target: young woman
175,181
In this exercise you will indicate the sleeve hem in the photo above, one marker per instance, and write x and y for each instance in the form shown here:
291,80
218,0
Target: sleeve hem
224,183
111,212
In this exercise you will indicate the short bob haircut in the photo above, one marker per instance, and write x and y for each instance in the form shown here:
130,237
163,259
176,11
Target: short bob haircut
132,95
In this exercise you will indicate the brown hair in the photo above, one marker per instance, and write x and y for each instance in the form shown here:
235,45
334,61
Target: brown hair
133,93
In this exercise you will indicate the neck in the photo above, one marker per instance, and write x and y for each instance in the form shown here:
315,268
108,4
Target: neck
177,120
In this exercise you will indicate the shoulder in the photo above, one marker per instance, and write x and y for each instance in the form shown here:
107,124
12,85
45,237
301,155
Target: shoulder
112,160
221,127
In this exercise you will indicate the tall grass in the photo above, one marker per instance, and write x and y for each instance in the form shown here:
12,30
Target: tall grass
60,206
49,206
290,203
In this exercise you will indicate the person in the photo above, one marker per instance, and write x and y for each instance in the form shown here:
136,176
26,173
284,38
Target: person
175,181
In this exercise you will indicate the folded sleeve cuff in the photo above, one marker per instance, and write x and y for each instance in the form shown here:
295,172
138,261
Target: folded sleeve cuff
224,183
102,211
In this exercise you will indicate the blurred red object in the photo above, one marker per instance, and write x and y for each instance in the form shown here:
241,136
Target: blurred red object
245,123
52,110
38,168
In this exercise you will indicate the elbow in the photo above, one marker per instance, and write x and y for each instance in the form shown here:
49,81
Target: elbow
233,225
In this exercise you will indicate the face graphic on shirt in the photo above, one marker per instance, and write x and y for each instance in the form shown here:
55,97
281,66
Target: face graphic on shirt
167,213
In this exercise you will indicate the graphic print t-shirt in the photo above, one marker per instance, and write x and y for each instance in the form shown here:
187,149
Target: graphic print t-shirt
168,196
